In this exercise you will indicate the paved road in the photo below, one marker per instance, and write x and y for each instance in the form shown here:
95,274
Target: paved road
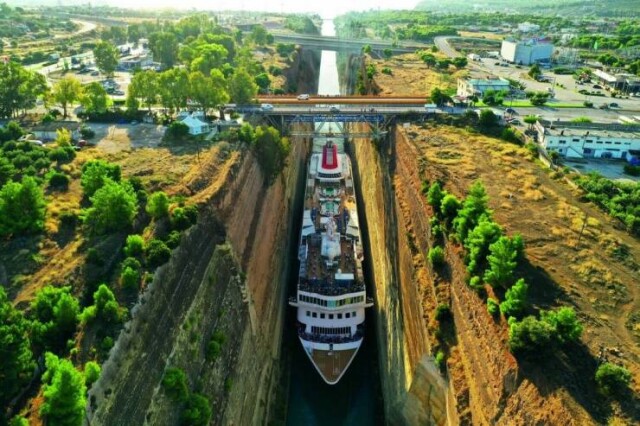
442,43
330,42
360,100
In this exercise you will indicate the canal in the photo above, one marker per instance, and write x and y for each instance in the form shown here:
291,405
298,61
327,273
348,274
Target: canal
356,399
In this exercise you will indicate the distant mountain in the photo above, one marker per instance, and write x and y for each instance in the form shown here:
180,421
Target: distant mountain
567,8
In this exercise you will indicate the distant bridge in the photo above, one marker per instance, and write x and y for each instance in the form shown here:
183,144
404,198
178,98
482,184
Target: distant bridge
341,44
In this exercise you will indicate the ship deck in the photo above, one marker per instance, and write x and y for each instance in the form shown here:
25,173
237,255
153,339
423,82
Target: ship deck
332,364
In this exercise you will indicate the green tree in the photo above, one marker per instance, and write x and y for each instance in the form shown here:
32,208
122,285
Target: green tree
387,53
207,57
271,150
55,317
113,207
144,85
158,205
515,299
157,253
438,97
16,359
173,86
197,412
91,372
502,262
531,120
435,196
259,35
134,245
263,81
105,308
208,92
66,92
612,379
64,393
164,47
130,278
449,207
106,56
478,242
94,98
473,207
436,256
22,207
565,322
460,62
19,88
530,336
488,118
174,383
242,87
535,71
95,173
429,60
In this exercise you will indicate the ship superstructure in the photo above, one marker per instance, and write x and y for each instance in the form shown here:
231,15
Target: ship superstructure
331,295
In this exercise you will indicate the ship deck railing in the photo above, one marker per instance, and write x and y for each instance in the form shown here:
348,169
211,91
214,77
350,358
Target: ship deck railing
331,290
324,338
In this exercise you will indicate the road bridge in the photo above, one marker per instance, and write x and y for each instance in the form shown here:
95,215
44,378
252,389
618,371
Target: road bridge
342,44
342,99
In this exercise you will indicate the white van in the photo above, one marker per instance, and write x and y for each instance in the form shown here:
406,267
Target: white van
303,97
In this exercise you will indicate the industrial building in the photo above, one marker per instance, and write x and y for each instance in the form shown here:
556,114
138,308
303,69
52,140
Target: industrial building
590,140
624,82
526,52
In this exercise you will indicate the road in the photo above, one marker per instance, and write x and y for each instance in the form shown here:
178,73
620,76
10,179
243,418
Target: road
328,42
443,45
359,100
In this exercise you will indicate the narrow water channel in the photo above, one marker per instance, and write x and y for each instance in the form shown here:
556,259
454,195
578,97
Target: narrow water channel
356,399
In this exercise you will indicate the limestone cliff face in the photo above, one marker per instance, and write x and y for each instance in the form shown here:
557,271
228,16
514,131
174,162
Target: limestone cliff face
413,392
302,72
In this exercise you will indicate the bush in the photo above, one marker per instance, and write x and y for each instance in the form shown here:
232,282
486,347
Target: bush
632,170
134,245
59,181
87,132
91,372
532,148
612,379
130,278
515,299
114,207
173,239
213,350
174,383
158,205
183,217
95,173
436,256
530,336
492,306
157,253
509,134
22,207
62,155
587,104
440,360
177,130
435,196
197,412
387,71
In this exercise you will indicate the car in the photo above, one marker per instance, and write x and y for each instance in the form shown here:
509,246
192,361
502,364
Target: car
514,122
266,107
597,86
497,63
95,73
511,111
604,106
118,92
334,108
614,105
303,97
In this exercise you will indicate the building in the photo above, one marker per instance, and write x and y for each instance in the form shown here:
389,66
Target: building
475,86
195,125
526,53
627,83
138,61
590,140
528,27
49,131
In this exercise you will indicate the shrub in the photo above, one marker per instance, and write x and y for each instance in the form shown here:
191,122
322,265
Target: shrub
177,130
532,148
439,360
492,306
59,180
68,218
515,299
91,372
62,155
213,350
529,336
87,132
612,379
587,104
449,207
113,208
130,278
443,312
183,217
632,170
174,383
158,205
387,71
565,323
134,245
197,412
436,256
476,283
173,239
95,173
435,196
157,253
22,207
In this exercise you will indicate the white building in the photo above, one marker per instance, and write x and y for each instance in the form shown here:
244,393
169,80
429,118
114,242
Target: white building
624,82
475,86
195,125
528,27
526,53
590,140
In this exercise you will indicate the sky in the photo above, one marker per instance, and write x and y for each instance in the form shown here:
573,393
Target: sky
326,8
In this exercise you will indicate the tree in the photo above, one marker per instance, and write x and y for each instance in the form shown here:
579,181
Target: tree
435,196
174,383
207,56
64,393
566,324
94,98
539,98
134,245
535,71
106,56
66,92
387,53
157,253
515,299
502,262
438,97
612,379
208,92
16,358
91,372
158,205
19,88
473,207
164,46
493,97
198,411
531,120
478,242
259,35
242,87
263,81
271,150
130,278
174,88
55,317
144,85
449,207
436,256
488,118
460,62
105,307
113,208
22,207
429,60
530,336
95,173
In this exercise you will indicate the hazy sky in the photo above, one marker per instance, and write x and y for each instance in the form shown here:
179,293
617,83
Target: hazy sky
326,8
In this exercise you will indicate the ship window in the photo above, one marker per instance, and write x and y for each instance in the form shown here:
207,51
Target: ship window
321,316
339,316
330,316
353,314
347,315
315,315
308,313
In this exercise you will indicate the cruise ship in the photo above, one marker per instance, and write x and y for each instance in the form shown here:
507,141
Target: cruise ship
331,294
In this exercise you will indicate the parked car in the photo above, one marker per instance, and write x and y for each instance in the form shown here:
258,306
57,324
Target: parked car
614,105
266,107
95,73
604,106
303,97
597,86
334,108
511,111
